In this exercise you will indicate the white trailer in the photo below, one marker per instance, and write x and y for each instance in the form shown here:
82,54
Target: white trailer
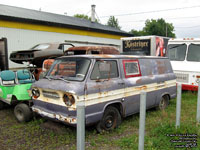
144,45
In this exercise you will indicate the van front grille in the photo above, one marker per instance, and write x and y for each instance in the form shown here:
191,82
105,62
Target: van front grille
48,94
181,77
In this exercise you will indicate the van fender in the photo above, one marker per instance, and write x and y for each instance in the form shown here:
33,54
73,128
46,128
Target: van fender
118,104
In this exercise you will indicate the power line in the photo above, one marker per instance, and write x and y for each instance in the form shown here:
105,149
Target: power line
163,18
154,11
190,27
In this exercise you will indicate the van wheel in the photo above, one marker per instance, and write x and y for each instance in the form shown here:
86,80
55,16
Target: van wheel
164,102
23,113
111,119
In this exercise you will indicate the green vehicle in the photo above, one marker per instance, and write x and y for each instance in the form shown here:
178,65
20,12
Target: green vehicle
14,91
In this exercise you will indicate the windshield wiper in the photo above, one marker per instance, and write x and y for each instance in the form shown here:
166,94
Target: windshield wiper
48,77
63,79
54,78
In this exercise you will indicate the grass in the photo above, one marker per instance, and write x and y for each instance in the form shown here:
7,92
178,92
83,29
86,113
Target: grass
160,131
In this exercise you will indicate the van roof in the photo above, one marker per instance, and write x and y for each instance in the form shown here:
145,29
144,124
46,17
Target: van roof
114,56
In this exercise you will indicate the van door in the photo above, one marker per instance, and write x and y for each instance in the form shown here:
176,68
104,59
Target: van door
104,86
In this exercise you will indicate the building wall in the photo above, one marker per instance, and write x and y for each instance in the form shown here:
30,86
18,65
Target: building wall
22,39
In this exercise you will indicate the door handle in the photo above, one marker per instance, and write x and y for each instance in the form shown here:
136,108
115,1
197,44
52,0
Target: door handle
121,83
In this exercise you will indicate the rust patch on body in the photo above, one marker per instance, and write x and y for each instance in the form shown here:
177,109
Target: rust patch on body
139,81
142,87
98,49
161,67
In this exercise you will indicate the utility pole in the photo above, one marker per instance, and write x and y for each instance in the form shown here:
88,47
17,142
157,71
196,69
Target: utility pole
166,30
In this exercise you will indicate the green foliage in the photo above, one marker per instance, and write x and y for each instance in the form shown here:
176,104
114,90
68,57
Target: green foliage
84,17
113,22
138,33
159,131
156,27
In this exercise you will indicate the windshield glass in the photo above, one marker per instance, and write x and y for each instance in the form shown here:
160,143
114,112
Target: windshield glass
193,52
177,52
70,69
41,46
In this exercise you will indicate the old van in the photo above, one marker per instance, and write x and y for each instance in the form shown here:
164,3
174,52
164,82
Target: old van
110,86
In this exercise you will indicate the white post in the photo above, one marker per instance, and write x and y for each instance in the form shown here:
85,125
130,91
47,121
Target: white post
142,120
178,105
198,103
80,126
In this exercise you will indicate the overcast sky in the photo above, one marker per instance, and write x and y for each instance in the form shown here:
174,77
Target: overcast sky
131,14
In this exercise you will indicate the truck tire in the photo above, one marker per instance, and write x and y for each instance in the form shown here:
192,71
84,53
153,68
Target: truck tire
23,113
164,102
111,119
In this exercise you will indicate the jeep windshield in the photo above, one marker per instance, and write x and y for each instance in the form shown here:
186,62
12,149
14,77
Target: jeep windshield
177,52
69,69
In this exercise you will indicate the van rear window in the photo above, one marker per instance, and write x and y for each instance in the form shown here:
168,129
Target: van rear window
131,68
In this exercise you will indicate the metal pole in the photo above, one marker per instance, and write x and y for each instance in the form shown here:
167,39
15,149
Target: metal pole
178,105
80,126
198,103
142,119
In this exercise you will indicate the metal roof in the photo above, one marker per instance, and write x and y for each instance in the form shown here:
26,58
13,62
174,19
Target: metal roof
40,17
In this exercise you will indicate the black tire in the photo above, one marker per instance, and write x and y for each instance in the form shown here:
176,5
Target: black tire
23,113
164,102
110,120
2,105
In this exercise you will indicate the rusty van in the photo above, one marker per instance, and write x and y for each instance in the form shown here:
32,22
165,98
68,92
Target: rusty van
110,86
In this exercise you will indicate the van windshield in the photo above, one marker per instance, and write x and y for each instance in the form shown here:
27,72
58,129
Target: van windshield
194,52
177,52
69,69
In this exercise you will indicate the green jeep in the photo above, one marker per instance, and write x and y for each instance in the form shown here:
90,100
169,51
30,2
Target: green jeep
14,91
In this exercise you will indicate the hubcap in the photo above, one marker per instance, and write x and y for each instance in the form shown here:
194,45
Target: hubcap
109,121
20,114
162,103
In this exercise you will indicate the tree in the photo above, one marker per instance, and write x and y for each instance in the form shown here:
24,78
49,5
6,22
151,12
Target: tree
156,27
159,27
84,17
138,33
113,22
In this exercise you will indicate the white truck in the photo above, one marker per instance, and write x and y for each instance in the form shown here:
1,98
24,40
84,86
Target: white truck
184,55
144,45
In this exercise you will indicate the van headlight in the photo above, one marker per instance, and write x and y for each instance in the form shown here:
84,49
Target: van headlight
35,93
68,99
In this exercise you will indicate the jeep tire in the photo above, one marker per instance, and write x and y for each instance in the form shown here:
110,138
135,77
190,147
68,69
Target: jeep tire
23,113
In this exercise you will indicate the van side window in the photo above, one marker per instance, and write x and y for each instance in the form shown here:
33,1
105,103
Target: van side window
131,68
105,69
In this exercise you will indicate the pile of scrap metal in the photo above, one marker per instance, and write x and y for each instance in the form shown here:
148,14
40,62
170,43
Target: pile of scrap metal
37,54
